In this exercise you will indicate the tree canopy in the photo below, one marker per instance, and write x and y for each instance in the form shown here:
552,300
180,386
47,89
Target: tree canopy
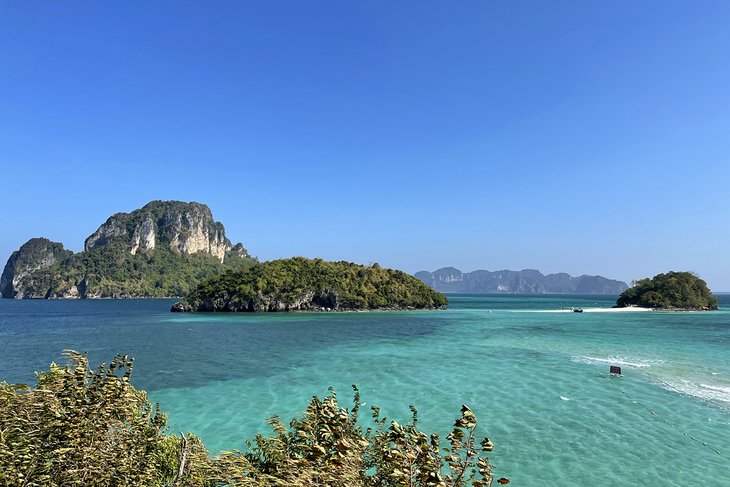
311,284
673,290
111,271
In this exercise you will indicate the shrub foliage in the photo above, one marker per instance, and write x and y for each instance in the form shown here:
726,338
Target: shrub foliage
80,427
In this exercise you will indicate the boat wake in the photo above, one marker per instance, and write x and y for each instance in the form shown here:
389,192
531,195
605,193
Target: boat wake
631,362
708,392
700,387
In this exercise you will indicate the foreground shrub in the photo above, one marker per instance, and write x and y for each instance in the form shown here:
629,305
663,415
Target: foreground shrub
80,427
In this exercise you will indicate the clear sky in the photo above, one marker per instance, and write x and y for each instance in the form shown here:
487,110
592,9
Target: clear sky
582,137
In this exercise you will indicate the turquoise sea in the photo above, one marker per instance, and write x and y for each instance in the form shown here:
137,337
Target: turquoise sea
537,381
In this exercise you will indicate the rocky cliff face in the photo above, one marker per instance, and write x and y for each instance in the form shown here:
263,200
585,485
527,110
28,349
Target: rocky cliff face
184,228
528,281
306,301
163,249
34,255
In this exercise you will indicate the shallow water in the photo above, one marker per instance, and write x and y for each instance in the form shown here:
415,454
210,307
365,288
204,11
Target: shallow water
538,382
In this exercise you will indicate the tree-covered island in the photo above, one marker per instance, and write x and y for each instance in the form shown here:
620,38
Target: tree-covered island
300,284
671,291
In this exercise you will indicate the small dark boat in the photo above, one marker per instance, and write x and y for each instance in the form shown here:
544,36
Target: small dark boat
577,310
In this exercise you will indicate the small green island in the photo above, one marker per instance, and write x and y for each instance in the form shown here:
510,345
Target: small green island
679,291
301,284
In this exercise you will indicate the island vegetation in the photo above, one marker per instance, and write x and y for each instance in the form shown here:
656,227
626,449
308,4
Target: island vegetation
300,284
164,249
110,272
84,427
673,290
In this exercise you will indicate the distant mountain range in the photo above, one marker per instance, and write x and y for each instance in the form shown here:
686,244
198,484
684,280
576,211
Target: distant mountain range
528,281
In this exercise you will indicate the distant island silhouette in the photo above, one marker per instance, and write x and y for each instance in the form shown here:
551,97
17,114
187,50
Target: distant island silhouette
527,281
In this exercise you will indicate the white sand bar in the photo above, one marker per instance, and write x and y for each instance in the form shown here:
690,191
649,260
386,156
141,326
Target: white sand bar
628,309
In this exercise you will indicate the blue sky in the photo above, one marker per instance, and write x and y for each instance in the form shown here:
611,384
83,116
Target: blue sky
584,137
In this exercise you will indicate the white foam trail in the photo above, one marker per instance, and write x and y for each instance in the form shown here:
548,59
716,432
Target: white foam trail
639,363
708,392
564,398
701,388
722,389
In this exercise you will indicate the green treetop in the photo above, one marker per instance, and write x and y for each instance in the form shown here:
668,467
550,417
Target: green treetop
673,290
311,284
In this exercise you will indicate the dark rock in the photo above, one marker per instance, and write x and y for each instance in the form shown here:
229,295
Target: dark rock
34,255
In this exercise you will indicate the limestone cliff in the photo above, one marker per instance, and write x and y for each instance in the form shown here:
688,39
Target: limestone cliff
183,228
528,281
163,249
34,255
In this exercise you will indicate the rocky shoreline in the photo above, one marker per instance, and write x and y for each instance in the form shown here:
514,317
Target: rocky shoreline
182,308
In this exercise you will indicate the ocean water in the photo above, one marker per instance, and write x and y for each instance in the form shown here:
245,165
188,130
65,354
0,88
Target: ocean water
538,382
